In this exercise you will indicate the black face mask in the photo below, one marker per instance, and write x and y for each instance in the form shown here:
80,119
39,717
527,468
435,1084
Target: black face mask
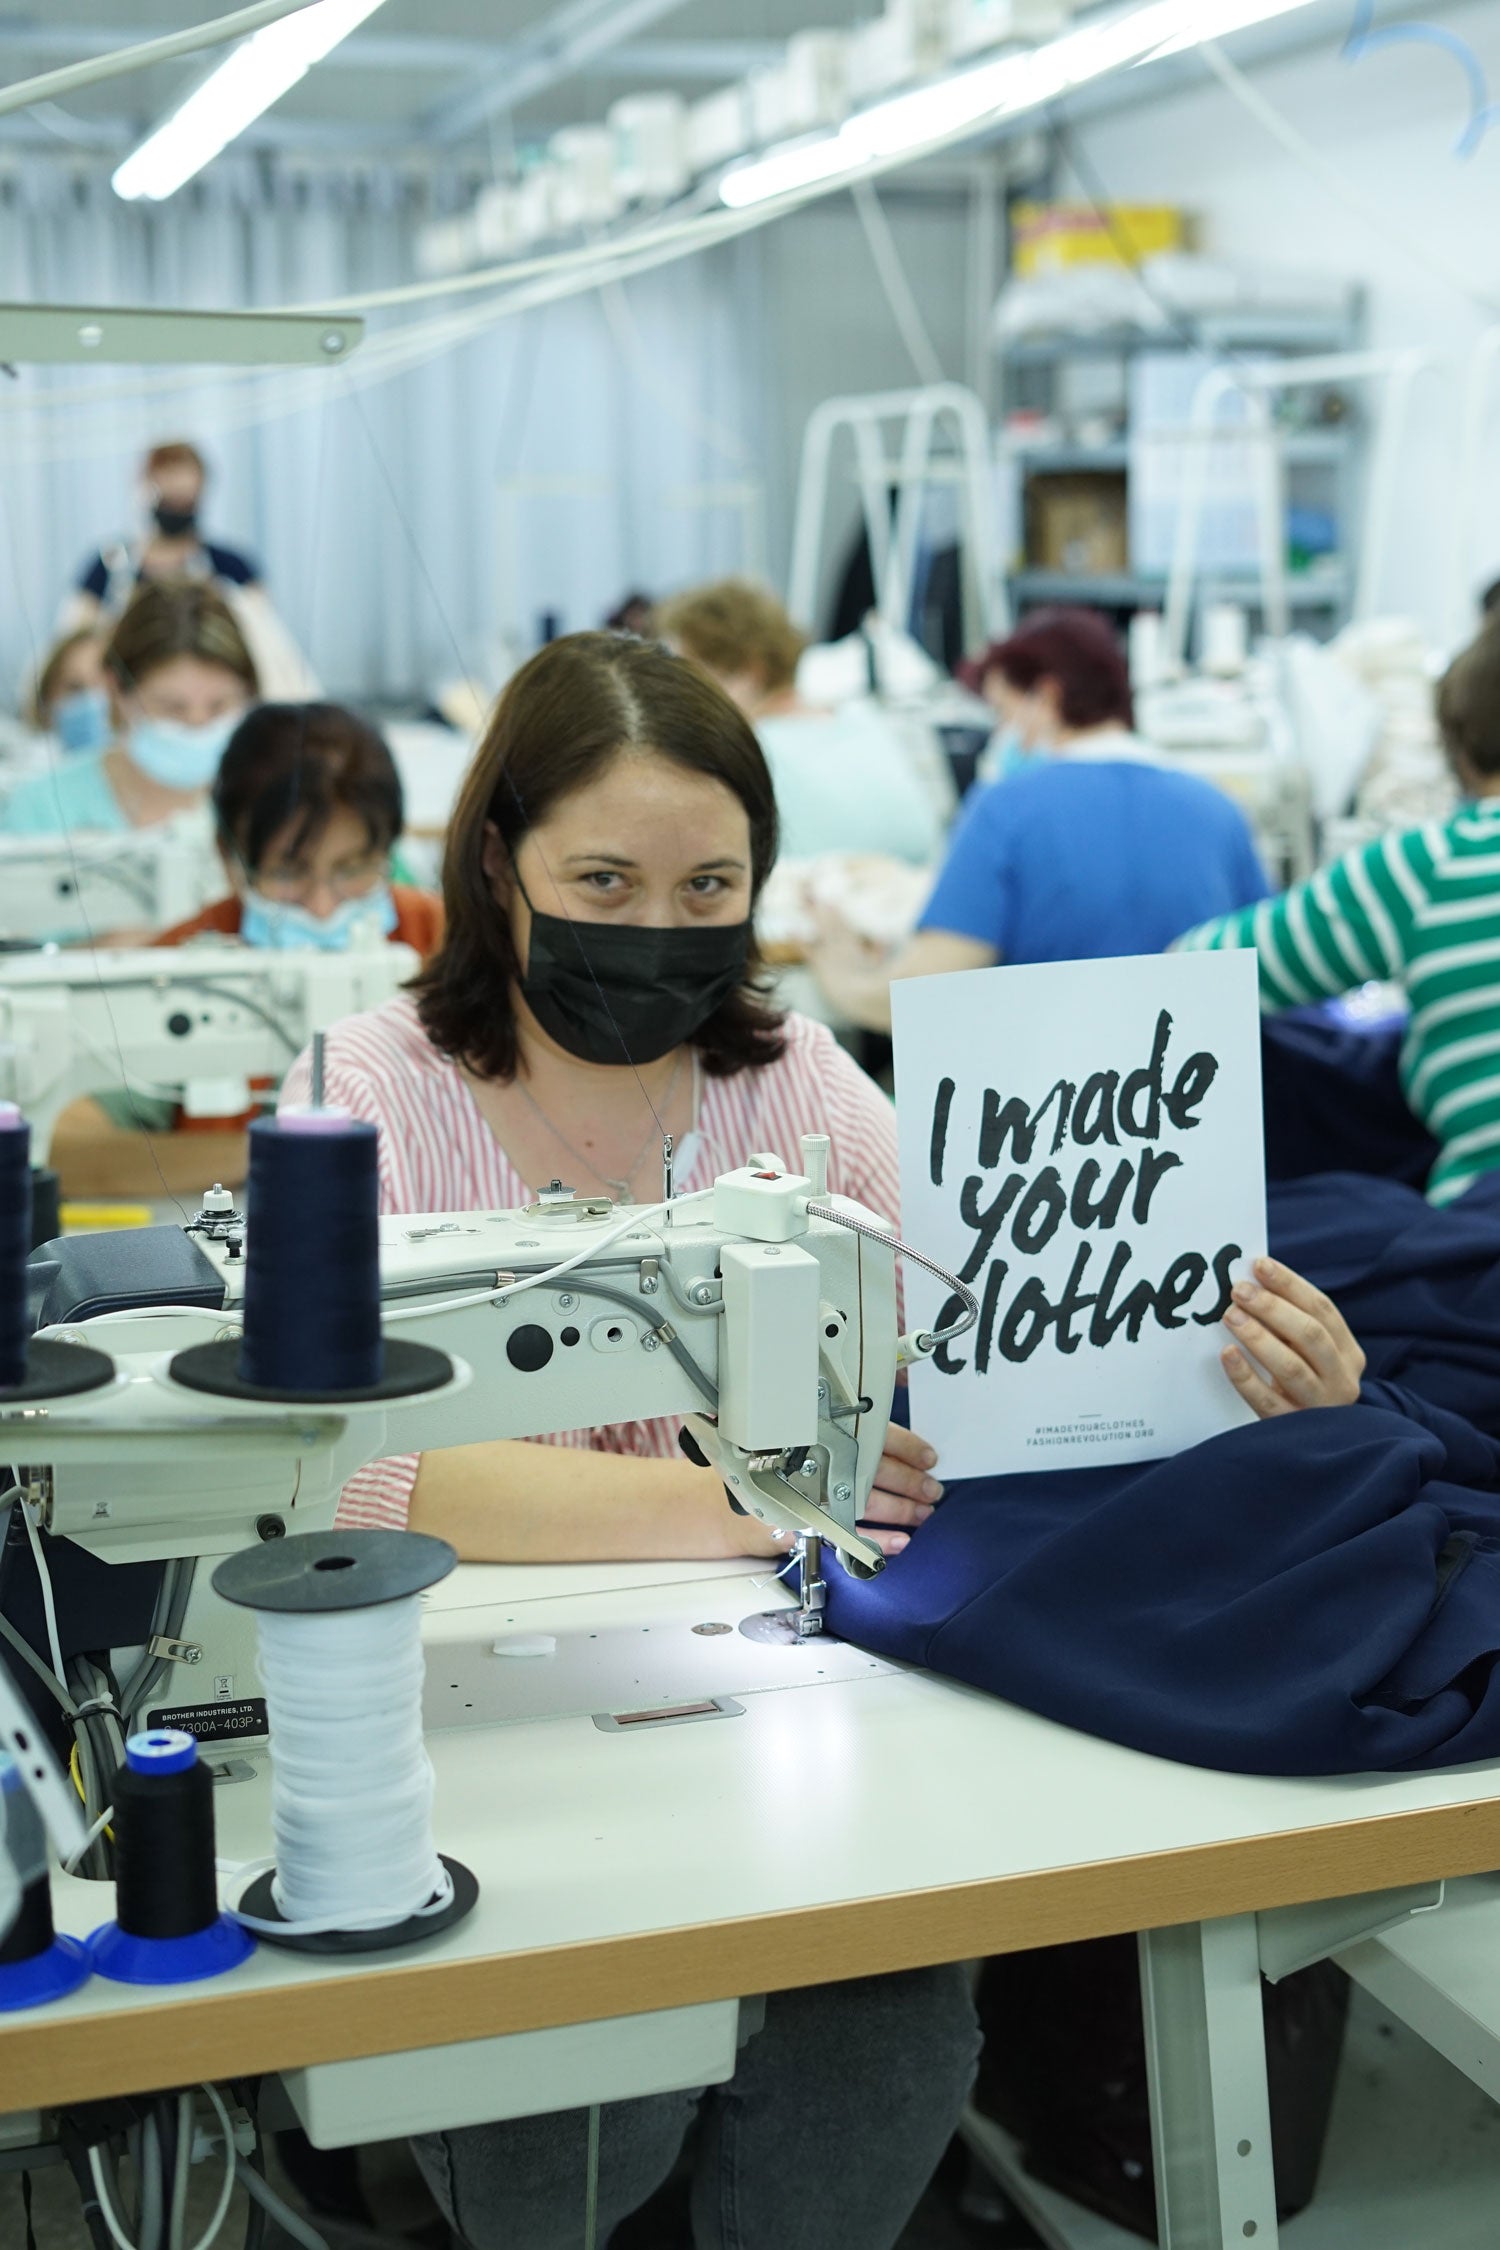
615,992
174,523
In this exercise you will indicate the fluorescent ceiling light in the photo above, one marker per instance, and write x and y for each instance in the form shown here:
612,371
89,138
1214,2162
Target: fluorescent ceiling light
1006,87
244,86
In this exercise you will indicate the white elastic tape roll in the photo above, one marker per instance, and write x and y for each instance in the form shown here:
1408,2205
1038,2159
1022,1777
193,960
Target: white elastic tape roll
351,1782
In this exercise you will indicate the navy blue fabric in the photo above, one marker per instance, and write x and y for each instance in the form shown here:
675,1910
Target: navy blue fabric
224,563
1318,1594
1420,1287
1334,1103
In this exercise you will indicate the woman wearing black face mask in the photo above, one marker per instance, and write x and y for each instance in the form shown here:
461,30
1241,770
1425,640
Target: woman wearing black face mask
172,479
598,983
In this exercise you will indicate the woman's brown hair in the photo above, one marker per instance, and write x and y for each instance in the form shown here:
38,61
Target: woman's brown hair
733,627
559,725
176,617
1468,704
44,692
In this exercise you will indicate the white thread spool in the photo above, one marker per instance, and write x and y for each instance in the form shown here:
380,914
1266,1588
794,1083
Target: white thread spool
338,1625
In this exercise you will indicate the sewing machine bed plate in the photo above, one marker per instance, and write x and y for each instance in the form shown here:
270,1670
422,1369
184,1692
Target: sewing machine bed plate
623,1653
873,1822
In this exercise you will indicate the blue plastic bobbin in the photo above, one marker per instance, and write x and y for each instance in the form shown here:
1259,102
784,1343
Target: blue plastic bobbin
128,1957
114,1953
36,1965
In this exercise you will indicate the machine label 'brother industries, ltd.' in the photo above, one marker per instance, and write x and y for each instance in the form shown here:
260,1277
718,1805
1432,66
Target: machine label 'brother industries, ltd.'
1081,1143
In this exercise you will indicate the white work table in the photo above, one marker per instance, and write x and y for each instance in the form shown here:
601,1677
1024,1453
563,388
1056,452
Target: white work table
857,1818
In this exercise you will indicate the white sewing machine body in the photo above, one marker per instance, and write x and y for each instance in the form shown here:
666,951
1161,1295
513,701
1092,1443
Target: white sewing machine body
771,1333
196,1023
73,889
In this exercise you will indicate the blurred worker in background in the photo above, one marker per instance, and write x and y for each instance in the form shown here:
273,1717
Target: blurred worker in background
173,478
846,780
180,678
309,810
70,700
1421,906
1098,848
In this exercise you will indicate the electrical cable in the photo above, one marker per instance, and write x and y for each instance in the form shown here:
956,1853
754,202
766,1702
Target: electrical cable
635,1216
76,2156
150,2213
182,2164
891,274
928,1341
124,60
71,1863
106,2204
44,1580
1387,226
291,2222
660,1328
23,1649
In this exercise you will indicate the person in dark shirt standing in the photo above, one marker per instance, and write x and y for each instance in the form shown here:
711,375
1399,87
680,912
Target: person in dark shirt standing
173,477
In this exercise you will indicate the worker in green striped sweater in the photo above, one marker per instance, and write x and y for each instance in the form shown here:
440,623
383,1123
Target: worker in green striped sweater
1423,906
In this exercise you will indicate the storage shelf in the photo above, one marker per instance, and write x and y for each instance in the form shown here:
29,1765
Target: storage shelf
1243,331
1126,590
1310,450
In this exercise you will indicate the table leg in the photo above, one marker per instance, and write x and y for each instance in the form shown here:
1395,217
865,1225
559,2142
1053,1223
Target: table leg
1206,2060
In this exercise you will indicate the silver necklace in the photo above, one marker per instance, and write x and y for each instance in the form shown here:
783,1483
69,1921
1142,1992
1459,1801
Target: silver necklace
621,1187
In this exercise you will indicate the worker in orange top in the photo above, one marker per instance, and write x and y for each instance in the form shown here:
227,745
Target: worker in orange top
308,806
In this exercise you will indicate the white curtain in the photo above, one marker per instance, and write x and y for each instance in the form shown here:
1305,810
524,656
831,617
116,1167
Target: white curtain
548,465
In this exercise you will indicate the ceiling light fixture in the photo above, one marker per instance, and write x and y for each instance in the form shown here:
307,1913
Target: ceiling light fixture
243,87
1008,86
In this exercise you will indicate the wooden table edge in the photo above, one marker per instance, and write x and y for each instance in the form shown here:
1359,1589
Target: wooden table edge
219,2031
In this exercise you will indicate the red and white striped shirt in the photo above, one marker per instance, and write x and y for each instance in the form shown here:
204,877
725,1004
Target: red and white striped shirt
438,1154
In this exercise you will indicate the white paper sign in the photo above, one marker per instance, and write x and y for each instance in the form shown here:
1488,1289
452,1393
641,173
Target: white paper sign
1081,1142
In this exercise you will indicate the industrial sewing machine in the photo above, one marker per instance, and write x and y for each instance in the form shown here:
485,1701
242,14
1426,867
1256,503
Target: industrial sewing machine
768,1329
72,889
195,1023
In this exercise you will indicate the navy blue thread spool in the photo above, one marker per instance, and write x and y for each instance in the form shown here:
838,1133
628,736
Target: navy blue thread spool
30,1369
312,1255
312,1274
36,1965
167,1928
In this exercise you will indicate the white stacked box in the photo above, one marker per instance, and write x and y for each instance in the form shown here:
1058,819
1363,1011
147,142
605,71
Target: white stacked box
718,128
587,191
650,143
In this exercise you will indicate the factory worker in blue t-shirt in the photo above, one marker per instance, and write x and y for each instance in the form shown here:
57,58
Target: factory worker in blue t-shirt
1093,847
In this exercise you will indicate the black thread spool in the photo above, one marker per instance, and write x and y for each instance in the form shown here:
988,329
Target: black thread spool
36,1965
165,1884
30,1369
312,1274
167,1928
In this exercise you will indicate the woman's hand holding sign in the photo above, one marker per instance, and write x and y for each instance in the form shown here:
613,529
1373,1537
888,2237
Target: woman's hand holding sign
1299,1339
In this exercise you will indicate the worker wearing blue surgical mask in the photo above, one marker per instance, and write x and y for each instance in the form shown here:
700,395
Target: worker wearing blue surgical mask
308,806
70,701
1015,746
179,679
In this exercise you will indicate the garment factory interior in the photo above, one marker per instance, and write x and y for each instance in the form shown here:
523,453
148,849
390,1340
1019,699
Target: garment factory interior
749,1125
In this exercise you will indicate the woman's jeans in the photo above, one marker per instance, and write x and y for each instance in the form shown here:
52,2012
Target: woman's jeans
824,2139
